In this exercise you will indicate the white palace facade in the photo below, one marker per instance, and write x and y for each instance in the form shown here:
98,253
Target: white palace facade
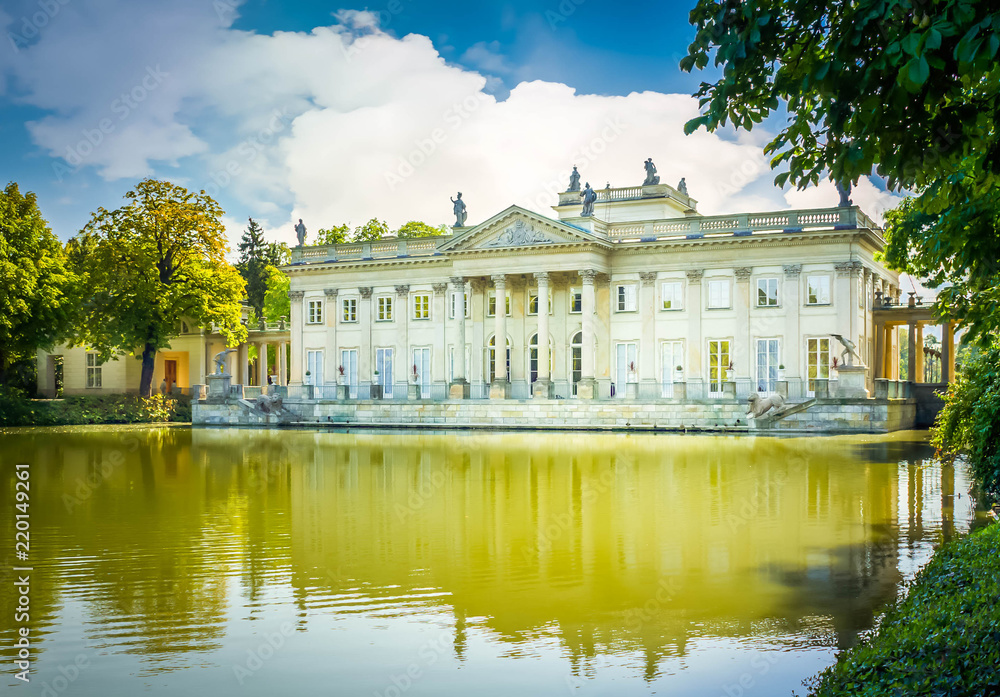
628,302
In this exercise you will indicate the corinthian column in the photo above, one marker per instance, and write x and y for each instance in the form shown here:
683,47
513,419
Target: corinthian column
499,389
297,319
459,388
543,386
587,387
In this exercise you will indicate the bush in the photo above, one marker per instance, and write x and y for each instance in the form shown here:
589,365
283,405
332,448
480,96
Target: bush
970,421
943,639
17,410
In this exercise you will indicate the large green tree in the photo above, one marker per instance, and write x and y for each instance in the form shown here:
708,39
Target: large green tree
148,265
36,287
372,231
333,235
252,265
416,228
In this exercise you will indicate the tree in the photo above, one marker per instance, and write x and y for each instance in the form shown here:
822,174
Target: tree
415,228
36,287
372,231
252,265
276,302
909,87
333,235
152,263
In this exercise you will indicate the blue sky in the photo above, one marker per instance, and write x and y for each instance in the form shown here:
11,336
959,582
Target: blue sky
342,113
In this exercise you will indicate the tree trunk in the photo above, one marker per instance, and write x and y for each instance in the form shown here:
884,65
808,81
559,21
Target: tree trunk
148,364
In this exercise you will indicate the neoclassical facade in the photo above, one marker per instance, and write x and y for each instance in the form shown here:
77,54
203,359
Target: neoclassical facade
628,302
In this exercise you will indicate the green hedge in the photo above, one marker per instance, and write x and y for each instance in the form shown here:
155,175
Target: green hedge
942,639
17,410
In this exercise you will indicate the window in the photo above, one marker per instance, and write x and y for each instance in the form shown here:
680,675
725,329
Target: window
768,360
670,293
491,303
817,362
626,298
315,311
350,310
422,306
767,292
818,290
533,357
719,352
94,370
671,358
718,294
575,300
533,303
384,309
453,303
383,371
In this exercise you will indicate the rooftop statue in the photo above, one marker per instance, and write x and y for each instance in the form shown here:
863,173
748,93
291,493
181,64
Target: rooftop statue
651,177
300,232
845,195
460,213
589,197
574,180
682,186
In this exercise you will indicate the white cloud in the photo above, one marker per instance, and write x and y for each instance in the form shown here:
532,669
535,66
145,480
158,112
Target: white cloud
346,122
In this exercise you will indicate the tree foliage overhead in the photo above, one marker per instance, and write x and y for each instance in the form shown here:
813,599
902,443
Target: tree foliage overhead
908,87
156,261
36,287
375,230
416,228
372,231
333,235
256,254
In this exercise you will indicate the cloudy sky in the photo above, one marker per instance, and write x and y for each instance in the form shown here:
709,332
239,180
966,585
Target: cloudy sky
337,114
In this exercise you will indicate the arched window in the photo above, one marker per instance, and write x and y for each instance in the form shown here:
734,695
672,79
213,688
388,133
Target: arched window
576,366
533,357
491,359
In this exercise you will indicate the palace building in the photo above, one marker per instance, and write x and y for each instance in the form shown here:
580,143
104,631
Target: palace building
639,296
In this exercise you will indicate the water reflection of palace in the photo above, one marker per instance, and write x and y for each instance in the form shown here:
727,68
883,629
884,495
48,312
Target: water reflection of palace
606,543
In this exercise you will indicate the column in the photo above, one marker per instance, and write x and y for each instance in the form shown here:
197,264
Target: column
587,389
439,316
499,386
742,350
842,295
543,386
365,351
402,361
647,346
920,353
295,370
694,304
243,353
262,363
282,361
332,355
792,346
947,353
911,355
878,359
459,388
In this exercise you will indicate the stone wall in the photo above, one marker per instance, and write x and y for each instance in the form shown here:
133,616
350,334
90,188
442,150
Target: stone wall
827,415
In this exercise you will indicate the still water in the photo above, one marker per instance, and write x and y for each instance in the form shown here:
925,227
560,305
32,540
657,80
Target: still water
216,562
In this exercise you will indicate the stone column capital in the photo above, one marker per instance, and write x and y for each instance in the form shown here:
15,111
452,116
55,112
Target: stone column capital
457,281
542,277
296,295
695,275
499,280
440,288
792,270
331,292
743,273
588,276
366,292
848,269
478,285
403,290
647,278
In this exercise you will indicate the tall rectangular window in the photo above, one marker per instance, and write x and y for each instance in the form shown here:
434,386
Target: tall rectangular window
350,310
817,362
768,360
422,306
453,305
626,298
718,294
384,311
533,303
719,352
315,312
767,292
818,290
94,370
670,295
575,300
491,303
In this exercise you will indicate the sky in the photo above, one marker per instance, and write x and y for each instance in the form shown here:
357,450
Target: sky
341,113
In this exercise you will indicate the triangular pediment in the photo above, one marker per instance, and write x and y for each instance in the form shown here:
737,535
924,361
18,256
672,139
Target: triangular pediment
518,228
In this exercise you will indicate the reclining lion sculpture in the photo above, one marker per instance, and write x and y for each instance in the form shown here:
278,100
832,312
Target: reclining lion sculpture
761,405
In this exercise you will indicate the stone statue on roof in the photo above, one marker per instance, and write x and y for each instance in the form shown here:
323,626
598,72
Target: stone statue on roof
651,176
459,209
300,232
574,180
589,197
682,186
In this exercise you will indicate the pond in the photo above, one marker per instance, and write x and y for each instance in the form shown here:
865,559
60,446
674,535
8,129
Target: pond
171,561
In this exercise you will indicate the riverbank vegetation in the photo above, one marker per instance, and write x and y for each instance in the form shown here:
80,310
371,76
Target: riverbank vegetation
943,639
18,410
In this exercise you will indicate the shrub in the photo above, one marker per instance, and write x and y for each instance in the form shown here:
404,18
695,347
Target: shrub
17,410
943,639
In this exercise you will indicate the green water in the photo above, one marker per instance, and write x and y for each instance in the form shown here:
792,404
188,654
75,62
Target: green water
216,562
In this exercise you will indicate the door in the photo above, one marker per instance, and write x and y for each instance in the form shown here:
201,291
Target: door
170,374
817,362
491,364
314,365
533,358
767,365
383,365
718,363
349,362
671,356
422,363
576,360
626,366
